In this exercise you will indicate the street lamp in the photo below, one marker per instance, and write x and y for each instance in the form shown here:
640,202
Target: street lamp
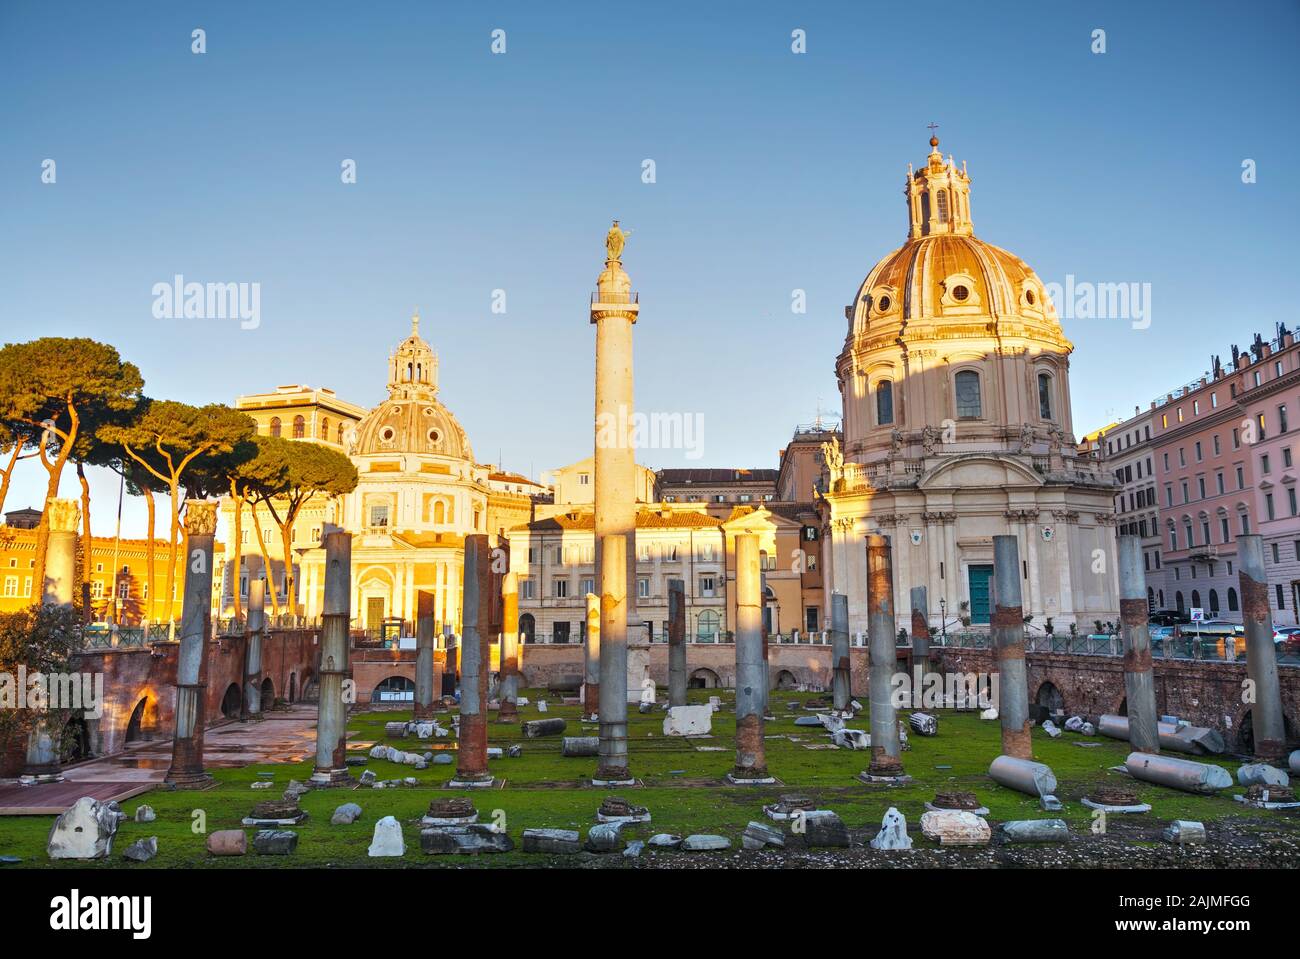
943,619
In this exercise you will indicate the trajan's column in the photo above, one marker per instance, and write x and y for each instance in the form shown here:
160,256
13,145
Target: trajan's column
614,309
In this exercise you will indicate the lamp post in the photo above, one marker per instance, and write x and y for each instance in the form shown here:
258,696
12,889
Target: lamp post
943,619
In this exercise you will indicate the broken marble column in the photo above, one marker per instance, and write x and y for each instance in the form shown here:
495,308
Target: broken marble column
255,628
186,770
676,643
472,760
751,655
1184,774
1034,830
886,749
612,767
1008,635
920,630
424,639
1023,775
43,758
1139,672
331,709
841,673
1261,654
508,711
591,659
451,673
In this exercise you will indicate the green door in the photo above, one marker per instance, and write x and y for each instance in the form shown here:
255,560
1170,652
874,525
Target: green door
979,592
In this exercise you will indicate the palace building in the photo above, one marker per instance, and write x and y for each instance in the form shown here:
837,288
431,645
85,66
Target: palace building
957,427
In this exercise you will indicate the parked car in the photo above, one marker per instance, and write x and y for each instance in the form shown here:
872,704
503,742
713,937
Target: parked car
1169,617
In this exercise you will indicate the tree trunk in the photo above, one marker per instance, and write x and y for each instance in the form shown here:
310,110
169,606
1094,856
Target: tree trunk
236,539
290,587
169,599
88,613
150,605
267,569
9,473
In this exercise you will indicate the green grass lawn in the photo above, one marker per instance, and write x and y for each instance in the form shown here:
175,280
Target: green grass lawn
682,789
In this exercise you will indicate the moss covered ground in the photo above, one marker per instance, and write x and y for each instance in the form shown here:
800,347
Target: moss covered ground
679,782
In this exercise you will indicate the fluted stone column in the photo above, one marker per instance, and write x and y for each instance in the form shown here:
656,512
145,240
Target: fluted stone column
751,671
186,770
424,689
886,755
476,652
43,759
254,629
508,711
331,711
1261,655
612,768
591,659
1007,628
841,670
1139,671
676,642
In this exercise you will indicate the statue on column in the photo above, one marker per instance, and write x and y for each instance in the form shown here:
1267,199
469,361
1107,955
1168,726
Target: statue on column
615,239
834,458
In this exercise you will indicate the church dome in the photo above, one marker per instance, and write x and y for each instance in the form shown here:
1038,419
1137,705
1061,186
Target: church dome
943,272
412,420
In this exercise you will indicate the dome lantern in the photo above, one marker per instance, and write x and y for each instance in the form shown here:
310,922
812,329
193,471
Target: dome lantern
938,197
413,367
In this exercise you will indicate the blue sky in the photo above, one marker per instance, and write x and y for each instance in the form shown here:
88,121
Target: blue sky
775,172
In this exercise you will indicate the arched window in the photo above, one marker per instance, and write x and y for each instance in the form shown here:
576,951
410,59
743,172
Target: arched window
1162,599
1178,600
1196,599
1214,602
409,369
884,403
340,434
324,427
275,426
942,205
299,427
1045,395
968,394
439,513
1232,600
706,630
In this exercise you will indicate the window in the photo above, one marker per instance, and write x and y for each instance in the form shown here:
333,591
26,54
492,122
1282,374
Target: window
1286,456
811,619
643,588
584,479
884,403
587,585
1275,551
1199,457
1281,598
1262,431
1045,396
124,589
526,589
1263,464
707,586
11,586
1281,418
559,588
299,427
1216,444
379,515
1232,600
275,426
1223,528
97,589
1290,500
706,552
1245,524
325,427
968,394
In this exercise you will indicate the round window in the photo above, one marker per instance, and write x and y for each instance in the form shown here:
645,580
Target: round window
883,304
434,436
387,434
427,411
960,293
1029,297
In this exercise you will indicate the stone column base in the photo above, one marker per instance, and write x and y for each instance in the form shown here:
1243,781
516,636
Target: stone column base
330,778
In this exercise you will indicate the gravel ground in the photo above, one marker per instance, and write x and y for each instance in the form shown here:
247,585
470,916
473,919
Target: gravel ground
1233,844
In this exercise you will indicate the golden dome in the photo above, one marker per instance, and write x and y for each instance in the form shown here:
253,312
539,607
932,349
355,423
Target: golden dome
944,274
412,420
